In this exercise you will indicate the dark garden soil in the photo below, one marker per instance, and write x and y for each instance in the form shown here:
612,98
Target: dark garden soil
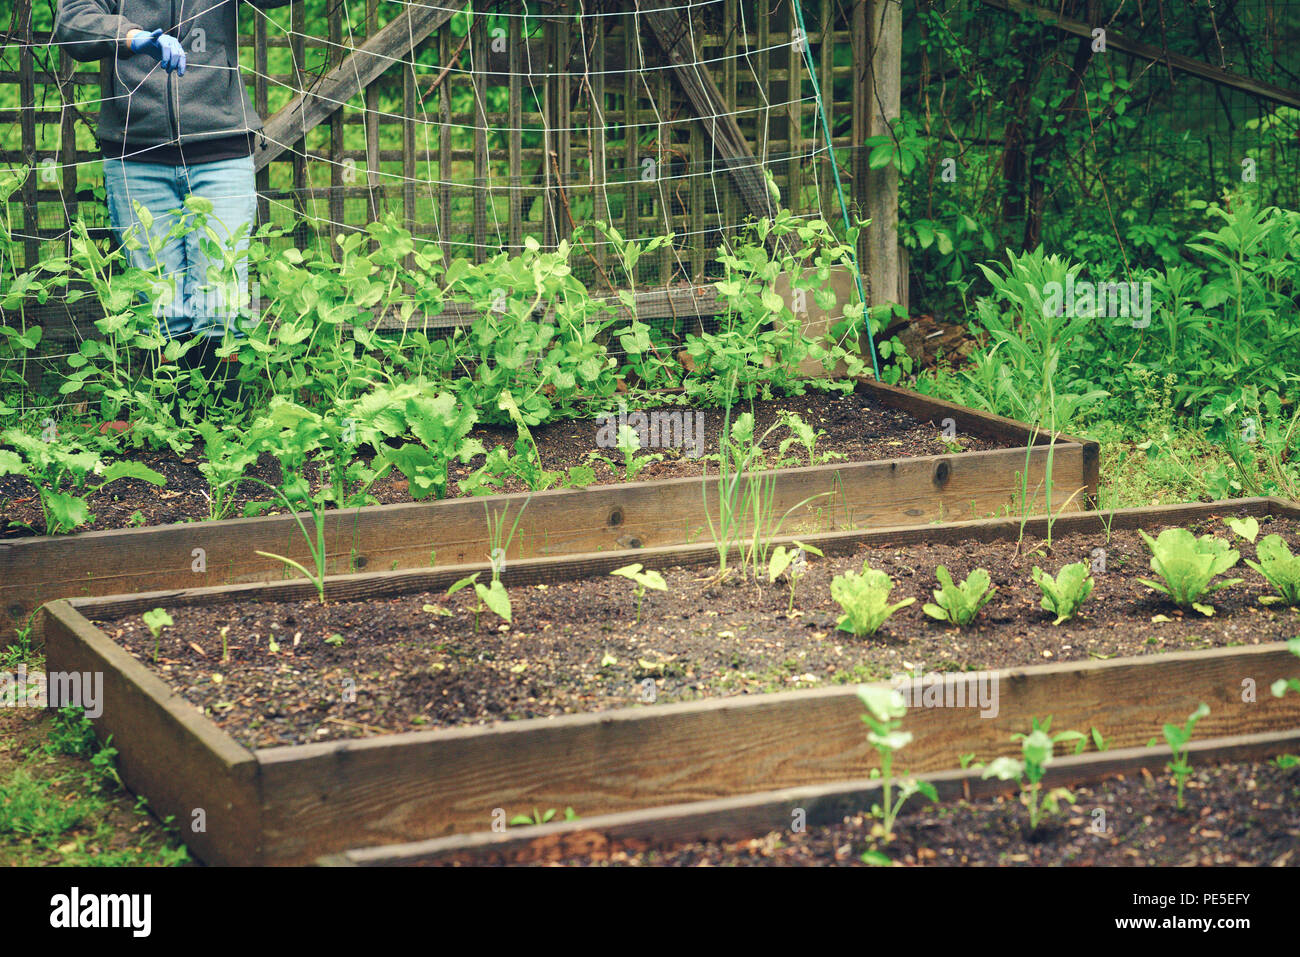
1235,814
857,429
576,647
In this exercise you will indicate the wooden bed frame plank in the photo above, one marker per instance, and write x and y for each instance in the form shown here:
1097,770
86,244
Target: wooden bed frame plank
331,795
633,515
291,804
167,750
750,816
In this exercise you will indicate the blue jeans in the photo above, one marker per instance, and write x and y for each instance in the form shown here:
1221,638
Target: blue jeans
198,303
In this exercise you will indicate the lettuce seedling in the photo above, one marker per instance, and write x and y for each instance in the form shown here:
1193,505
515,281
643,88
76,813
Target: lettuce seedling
1280,567
884,716
865,600
643,580
1189,565
960,604
1063,595
1178,739
1036,752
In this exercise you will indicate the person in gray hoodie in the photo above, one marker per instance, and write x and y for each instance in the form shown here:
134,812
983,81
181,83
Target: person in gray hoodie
175,122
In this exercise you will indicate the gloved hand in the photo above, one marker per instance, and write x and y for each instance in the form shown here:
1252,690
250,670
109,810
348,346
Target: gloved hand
167,50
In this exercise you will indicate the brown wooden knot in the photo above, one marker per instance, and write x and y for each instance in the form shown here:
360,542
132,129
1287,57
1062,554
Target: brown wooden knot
616,517
942,472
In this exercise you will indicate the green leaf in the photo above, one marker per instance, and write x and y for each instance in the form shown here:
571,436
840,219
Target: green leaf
495,597
1247,528
127,469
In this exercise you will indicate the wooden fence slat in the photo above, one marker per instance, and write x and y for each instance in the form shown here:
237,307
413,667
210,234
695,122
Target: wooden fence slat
350,75
336,169
478,56
27,135
731,21
445,133
515,120
372,118
596,133
794,116
631,134
299,27
261,68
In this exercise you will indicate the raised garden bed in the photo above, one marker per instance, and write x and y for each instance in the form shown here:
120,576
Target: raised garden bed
290,803
911,486
1240,809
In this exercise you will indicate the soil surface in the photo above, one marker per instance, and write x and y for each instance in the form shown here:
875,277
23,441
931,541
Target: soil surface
1235,814
857,429
301,671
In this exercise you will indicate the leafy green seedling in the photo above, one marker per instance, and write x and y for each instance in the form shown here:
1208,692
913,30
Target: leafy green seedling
865,600
805,435
1189,566
156,621
1036,752
1178,739
884,716
1280,567
1098,742
643,580
960,604
629,443
1247,528
59,470
524,820
1063,595
493,597
790,561
1283,685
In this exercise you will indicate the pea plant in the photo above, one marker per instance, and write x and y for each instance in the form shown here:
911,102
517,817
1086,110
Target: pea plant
791,562
642,580
493,597
1036,752
156,620
884,719
60,470
804,435
1179,738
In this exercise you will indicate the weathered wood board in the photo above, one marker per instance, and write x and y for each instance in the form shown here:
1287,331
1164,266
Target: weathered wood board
846,495
754,815
290,805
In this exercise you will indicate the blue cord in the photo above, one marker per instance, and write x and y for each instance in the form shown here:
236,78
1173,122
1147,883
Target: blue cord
839,189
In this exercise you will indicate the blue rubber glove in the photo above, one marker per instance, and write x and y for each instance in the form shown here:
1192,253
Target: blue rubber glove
167,50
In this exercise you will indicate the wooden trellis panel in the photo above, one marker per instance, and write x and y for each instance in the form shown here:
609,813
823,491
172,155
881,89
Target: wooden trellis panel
630,114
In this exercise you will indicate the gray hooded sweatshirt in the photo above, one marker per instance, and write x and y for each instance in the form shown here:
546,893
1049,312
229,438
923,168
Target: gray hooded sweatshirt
145,105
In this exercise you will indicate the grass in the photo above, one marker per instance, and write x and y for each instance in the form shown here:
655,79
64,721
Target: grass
61,802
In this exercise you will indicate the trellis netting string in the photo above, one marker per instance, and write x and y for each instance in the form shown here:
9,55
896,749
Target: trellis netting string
664,156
